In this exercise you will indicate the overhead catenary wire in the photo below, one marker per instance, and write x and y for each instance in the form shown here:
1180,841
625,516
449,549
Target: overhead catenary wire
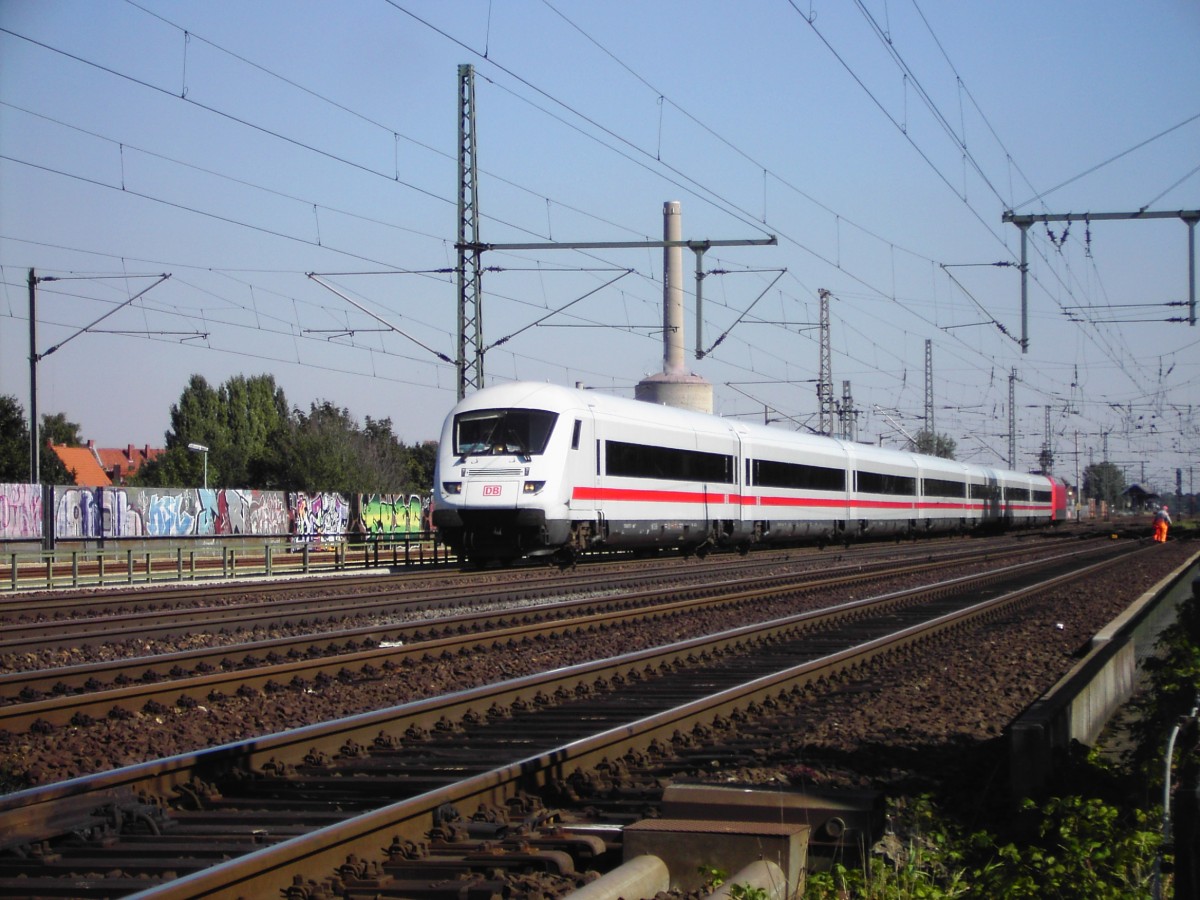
892,293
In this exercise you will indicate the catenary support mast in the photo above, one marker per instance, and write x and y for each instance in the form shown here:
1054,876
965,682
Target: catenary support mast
470,318
929,394
825,375
1189,216
1012,420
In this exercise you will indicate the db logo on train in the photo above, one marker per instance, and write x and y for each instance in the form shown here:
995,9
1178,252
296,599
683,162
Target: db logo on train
491,490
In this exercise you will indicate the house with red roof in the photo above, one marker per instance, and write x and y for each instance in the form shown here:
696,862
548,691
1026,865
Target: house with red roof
102,467
121,463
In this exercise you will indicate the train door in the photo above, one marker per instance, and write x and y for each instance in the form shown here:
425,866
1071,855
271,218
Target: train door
738,529
850,508
580,467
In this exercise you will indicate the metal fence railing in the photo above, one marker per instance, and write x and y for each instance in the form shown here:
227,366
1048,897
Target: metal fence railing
145,562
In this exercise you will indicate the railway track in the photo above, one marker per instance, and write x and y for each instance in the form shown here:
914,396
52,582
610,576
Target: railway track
33,625
361,807
78,694
57,609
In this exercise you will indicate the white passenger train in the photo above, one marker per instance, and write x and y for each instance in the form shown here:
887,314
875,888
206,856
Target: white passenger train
528,469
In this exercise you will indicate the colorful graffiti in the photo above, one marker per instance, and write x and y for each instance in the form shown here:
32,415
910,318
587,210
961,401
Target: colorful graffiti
129,512
391,515
252,512
156,512
78,512
318,517
122,517
20,511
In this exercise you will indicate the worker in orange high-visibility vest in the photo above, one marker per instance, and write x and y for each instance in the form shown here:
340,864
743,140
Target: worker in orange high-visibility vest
1162,520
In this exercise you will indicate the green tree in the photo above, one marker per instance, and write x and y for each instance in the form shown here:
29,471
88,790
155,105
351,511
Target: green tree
935,444
14,446
196,418
57,430
321,454
419,467
14,441
253,441
327,450
255,417
1103,481
241,424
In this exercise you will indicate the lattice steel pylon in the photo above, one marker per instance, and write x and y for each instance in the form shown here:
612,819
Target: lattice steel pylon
1012,420
1047,456
469,362
825,375
929,394
848,415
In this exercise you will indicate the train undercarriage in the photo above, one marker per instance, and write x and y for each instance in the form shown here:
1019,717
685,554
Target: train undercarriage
504,536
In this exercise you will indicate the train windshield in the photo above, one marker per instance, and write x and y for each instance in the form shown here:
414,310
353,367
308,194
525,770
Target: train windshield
503,432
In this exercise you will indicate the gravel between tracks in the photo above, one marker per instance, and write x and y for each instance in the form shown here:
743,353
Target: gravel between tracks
911,722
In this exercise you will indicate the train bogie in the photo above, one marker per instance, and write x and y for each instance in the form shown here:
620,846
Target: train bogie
532,469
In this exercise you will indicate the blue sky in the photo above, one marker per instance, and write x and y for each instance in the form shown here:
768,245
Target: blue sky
239,146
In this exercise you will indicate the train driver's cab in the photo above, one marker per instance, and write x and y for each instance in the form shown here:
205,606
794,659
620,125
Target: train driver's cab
503,432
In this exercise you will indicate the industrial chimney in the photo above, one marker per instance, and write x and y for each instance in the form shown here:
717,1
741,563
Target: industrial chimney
674,386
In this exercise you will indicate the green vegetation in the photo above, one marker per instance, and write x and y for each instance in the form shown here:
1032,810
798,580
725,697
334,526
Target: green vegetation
254,441
1103,481
1082,848
935,444
14,444
715,878
1100,839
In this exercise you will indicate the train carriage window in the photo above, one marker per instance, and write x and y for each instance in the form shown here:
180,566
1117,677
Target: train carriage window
1042,497
575,434
886,483
943,487
499,432
669,463
1015,493
985,492
772,473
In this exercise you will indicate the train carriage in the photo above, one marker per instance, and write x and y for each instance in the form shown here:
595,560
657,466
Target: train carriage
884,490
662,485
796,486
943,488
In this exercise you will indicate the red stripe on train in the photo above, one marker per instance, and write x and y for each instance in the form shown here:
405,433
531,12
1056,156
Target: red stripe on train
627,495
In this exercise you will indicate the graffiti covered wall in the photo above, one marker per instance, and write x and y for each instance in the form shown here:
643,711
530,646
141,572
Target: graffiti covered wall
168,512
20,511
82,513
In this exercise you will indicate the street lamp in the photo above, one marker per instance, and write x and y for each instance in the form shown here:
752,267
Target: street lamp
200,448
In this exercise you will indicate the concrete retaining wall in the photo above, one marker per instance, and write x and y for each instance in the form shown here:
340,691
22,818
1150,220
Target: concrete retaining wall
1081,703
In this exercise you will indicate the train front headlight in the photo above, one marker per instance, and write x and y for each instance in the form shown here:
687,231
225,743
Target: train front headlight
532,487
452,487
